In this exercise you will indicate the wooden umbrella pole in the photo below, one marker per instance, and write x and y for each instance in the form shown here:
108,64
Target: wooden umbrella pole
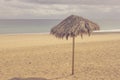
73,50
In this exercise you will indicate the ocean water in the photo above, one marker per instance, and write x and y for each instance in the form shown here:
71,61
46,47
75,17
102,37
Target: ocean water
27,25
14,26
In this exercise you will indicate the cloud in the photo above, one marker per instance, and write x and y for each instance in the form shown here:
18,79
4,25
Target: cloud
59,8
83,2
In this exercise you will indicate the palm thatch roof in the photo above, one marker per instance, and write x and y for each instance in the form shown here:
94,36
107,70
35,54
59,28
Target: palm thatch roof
74,26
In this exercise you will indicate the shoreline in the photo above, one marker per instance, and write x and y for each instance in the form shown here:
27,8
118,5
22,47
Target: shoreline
24,33
30,40
94,32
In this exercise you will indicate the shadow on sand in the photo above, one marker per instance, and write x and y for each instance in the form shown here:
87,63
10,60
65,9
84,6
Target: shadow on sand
16,78
32,78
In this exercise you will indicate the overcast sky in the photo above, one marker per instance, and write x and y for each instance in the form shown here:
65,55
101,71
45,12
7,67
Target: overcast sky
29,9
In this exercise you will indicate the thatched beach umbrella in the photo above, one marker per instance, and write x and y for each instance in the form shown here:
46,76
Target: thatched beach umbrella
73,26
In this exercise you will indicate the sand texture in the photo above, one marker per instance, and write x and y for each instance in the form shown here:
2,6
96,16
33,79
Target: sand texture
44,57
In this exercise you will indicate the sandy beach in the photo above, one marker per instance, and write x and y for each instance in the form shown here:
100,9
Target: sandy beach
44,57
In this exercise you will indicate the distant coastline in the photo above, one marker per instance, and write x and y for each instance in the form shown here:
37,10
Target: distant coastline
94,32
111,30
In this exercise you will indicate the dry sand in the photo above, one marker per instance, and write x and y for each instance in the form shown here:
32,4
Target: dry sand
44,57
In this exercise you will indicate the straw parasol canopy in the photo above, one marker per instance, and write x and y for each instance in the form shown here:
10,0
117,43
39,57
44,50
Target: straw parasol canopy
73,26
